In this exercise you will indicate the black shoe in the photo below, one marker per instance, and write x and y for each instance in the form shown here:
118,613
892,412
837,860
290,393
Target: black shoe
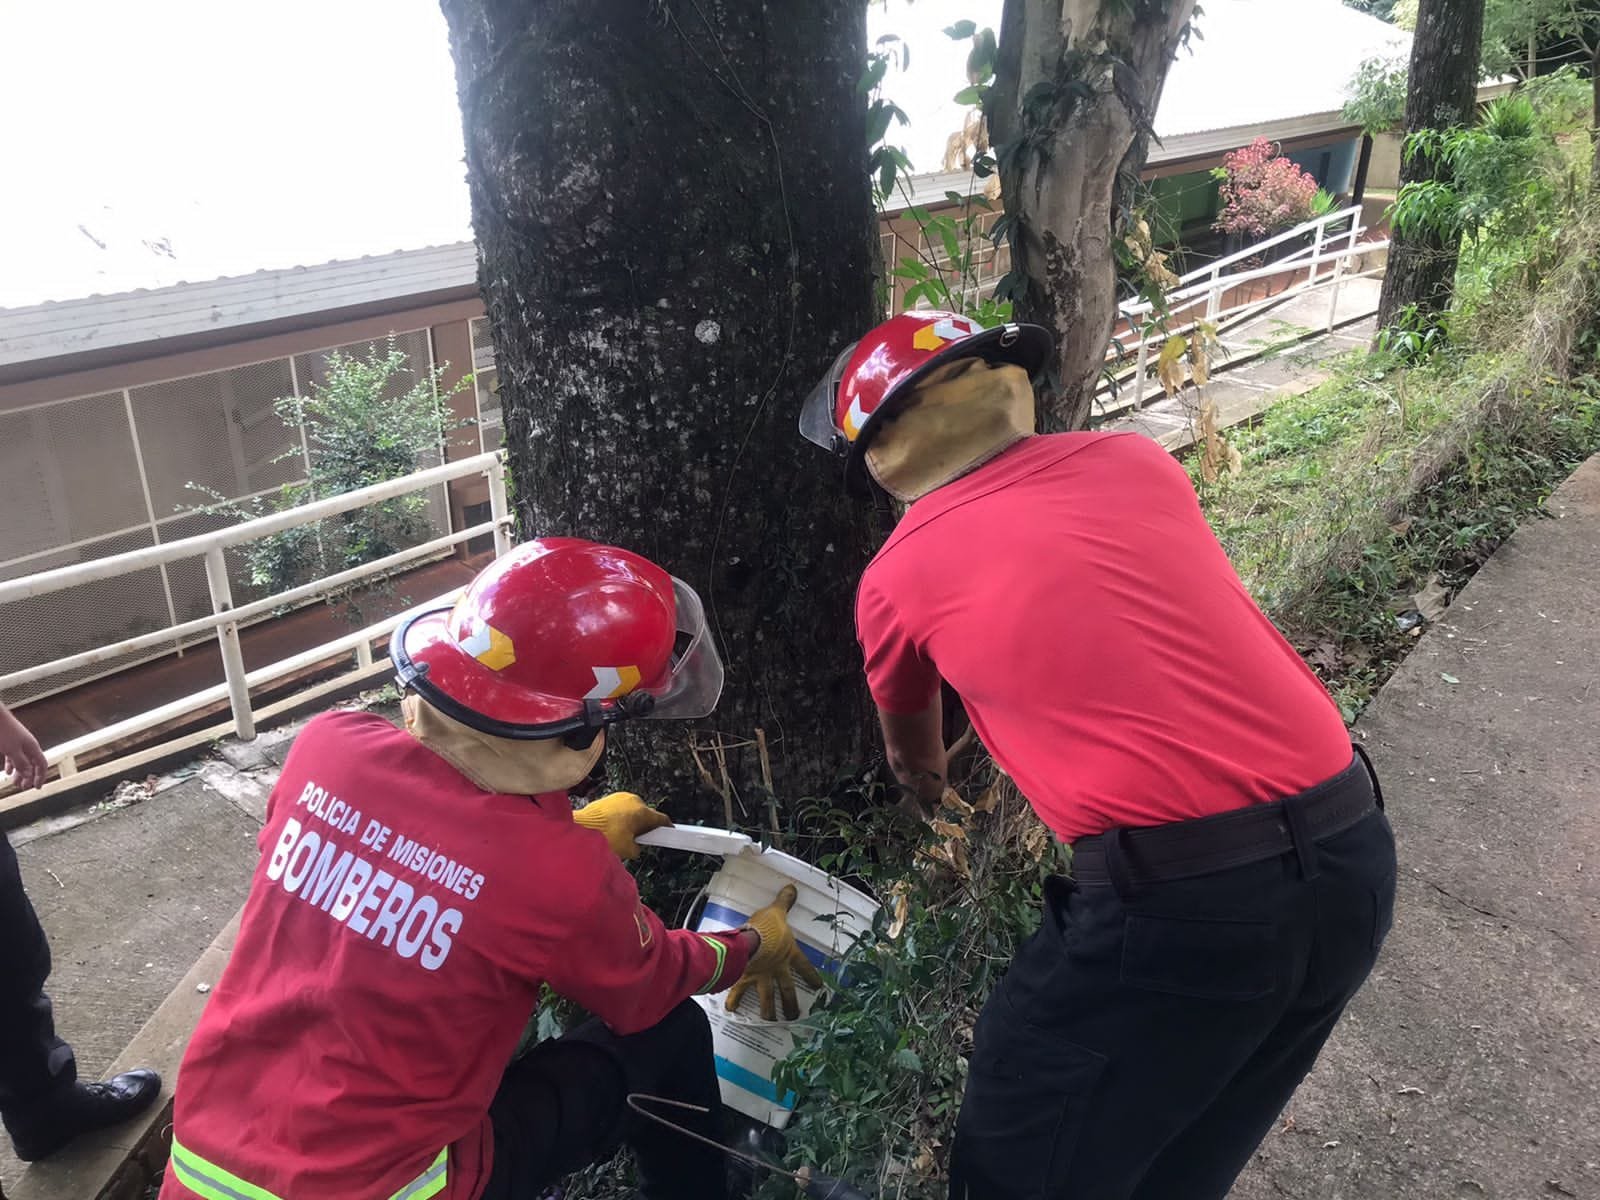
80,1109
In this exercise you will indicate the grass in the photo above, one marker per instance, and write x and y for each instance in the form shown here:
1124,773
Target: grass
1359,494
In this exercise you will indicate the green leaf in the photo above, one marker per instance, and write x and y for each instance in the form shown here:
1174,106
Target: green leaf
980,63
878,117
906,1059
955,197
886,176
972,95
911,268
983,166
961,29
877,68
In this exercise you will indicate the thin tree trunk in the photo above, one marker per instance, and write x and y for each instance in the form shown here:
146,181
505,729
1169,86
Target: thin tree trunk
1594,112
675,227
1442,93
1077,83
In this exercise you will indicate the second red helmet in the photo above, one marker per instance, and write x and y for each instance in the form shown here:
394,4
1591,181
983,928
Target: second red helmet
874,376
563,636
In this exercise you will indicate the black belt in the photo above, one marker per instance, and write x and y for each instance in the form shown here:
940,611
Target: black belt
1185,849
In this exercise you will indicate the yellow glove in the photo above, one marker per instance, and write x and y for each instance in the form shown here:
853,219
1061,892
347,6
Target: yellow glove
622,817
777,961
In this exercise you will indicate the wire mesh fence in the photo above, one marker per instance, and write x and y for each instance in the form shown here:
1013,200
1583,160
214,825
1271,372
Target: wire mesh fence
91,476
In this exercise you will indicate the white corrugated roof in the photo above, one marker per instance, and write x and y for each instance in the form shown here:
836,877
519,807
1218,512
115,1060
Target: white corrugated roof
105,323
1258,62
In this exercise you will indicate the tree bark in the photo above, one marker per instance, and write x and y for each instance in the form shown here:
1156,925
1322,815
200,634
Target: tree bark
1442,92
1076,86
675,228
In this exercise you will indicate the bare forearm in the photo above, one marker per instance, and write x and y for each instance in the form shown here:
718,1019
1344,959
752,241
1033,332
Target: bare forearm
914,745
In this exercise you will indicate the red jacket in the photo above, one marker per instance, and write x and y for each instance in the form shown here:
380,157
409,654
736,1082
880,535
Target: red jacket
399,925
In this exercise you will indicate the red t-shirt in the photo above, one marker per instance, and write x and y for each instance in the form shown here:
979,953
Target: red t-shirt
1073,595
399,925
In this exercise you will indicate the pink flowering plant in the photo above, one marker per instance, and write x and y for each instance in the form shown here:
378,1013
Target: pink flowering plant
1262,192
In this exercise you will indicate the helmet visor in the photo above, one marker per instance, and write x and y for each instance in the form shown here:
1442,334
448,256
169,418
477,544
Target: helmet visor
817,422
694,683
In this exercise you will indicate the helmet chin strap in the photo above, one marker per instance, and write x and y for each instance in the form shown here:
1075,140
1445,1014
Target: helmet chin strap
502,765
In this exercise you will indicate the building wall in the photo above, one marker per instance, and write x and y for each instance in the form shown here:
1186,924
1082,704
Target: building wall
83,477
1332,164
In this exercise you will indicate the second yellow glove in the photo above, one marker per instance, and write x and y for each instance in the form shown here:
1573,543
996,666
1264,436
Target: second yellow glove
774,966
622,817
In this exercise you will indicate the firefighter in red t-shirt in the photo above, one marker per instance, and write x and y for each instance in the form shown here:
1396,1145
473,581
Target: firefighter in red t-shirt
418,887
1233,873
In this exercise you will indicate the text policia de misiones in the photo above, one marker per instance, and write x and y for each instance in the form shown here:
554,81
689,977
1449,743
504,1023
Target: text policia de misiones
314,867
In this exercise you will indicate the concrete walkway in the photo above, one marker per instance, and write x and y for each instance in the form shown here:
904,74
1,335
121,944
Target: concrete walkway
1266,358
1469,1067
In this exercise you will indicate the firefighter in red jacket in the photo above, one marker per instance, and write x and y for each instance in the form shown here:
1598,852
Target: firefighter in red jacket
1233,874
418,887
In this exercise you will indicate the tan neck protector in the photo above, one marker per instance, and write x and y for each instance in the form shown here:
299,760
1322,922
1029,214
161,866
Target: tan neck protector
495,764
956,420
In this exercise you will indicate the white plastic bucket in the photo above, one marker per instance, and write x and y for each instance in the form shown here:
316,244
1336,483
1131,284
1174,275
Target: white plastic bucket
827,917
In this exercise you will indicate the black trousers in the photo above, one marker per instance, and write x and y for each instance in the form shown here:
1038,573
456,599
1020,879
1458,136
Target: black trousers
1141,1046
563,1106
34,1062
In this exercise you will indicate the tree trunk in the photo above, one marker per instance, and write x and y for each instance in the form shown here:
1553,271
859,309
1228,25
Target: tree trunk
674,226
1076,86
1594,112
1442,93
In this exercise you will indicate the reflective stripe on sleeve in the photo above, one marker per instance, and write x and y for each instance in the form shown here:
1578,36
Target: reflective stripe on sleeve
721,949
430,1183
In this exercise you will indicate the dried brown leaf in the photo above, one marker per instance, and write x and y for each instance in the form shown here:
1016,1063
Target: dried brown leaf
953,801
990,797
957,857
1433,599
1036,841
900,901
1199,360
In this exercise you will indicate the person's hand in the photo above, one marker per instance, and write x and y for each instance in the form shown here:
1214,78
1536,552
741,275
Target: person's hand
622,817
776,961
20,753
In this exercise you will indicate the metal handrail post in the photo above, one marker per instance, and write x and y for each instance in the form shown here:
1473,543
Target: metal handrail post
1316,251
1343,262
1138,372
244,722
495,472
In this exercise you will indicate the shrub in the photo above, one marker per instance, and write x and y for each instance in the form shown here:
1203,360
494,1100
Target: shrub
373,419
1262,192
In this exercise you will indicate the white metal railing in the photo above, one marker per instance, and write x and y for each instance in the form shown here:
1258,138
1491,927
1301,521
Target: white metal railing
225,616
1199,294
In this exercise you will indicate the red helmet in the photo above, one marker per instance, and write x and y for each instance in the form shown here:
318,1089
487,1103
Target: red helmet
872,377
561,637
